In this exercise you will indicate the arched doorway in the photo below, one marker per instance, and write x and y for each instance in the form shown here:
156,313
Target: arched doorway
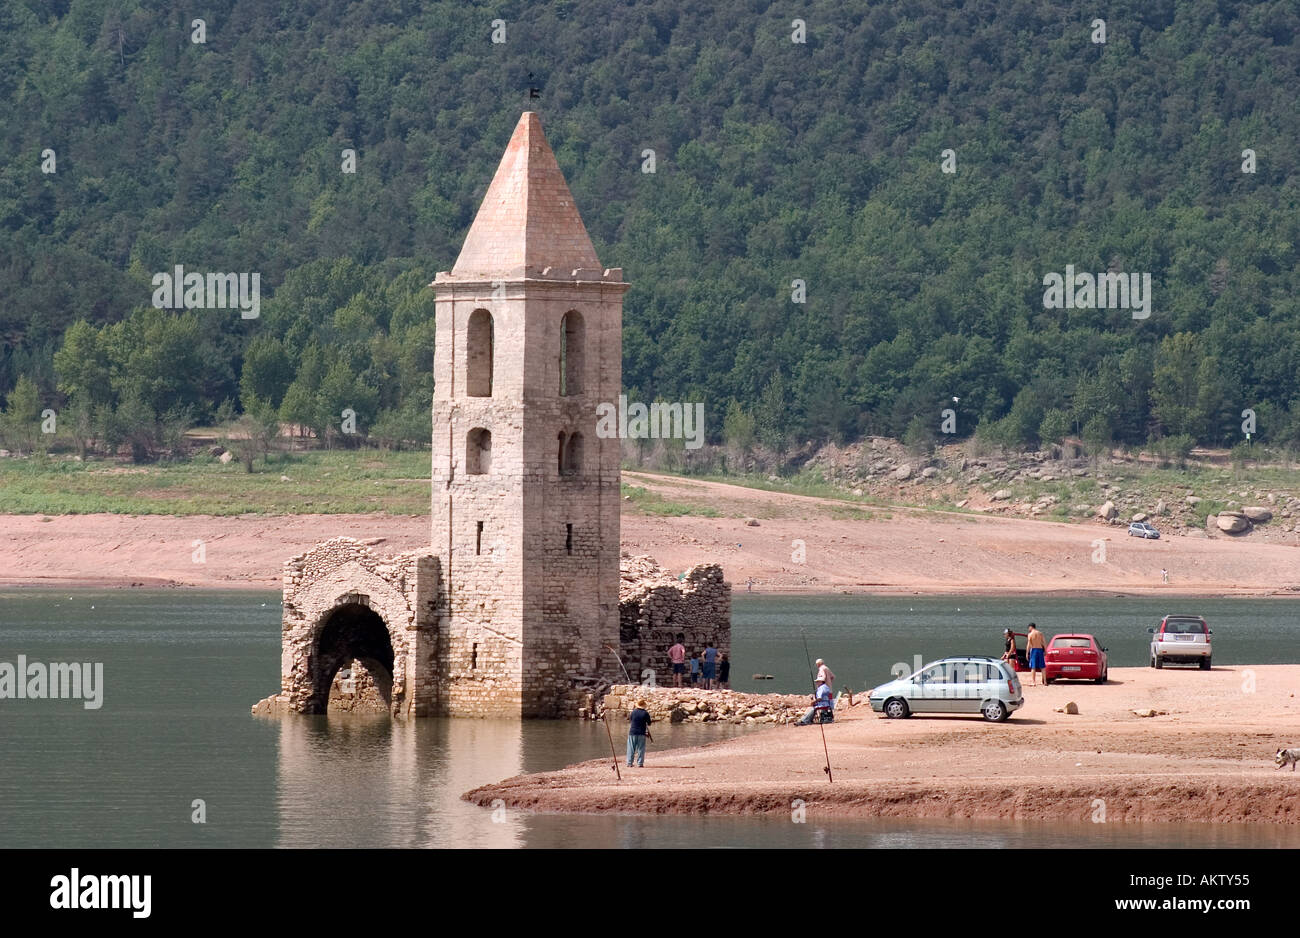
351,631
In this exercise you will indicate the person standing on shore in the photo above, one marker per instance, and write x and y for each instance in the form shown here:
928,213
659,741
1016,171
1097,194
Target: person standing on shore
724,673
709,666
824,674
638,731
695,668
677,656
1037,646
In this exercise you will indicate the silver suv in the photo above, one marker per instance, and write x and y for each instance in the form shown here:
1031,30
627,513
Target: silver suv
962,684
1181,640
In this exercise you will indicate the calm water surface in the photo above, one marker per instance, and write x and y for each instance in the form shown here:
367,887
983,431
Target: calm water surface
182,668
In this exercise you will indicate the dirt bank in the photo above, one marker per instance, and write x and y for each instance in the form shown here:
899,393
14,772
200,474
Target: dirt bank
800,544
1209,758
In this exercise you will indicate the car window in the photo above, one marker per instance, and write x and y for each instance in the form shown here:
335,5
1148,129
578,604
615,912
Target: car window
945,672
1071,643
1184,627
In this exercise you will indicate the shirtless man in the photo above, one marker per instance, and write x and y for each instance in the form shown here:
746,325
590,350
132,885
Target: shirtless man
824,674
1037,647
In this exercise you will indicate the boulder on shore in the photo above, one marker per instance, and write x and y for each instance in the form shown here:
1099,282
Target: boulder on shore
1232,522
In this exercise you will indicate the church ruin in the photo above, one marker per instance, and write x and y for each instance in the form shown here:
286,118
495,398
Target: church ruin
513,610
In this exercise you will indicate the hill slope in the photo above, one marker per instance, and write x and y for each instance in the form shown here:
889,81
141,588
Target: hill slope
775,161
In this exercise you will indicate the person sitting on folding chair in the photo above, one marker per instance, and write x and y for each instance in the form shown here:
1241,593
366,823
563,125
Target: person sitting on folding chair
823,708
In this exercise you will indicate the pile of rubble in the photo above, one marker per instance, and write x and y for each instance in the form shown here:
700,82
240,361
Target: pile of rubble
692,705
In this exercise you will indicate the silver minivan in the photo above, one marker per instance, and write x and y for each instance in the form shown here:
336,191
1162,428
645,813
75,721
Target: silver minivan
962,684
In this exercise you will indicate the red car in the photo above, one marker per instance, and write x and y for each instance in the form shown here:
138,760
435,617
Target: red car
1076,658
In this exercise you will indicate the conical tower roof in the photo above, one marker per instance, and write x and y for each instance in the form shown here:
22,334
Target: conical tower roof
528,221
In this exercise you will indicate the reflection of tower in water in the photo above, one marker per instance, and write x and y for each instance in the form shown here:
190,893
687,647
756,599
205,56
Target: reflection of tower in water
371,781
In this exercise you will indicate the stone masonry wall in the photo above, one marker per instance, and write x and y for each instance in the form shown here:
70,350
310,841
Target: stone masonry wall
654,606
360,691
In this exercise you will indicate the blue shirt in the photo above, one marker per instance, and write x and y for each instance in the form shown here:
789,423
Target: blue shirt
710,655
824,701
640,720
695,665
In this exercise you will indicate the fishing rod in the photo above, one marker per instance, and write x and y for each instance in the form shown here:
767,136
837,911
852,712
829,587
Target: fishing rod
604,718
820,724
619,658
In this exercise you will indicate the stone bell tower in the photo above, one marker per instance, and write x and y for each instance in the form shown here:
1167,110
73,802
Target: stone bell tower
525,494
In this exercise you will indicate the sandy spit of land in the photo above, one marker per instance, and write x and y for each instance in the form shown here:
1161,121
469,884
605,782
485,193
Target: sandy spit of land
1209,758
801,544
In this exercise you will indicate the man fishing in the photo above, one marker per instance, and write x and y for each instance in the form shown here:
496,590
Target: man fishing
823,702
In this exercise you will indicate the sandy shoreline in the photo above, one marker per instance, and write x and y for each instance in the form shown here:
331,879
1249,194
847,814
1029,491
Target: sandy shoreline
1208,759
799,544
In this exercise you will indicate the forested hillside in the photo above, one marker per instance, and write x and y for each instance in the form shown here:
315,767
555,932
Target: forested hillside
775,161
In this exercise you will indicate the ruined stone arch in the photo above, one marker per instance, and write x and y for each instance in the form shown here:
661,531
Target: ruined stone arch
479,354
367,620
573,360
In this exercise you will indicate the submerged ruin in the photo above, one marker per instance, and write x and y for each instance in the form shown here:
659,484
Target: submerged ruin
515,608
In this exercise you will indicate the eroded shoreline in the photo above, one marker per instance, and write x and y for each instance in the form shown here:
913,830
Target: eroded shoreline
1208,758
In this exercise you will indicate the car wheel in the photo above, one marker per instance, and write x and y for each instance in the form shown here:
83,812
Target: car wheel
896,708
995,711
1160,662
1102,679
1205,664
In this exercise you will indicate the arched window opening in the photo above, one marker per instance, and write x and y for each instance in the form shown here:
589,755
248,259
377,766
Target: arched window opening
479,354
572,357
573,455
478,452
560,454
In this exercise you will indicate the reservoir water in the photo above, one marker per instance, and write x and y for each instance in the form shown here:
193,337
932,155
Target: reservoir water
181,669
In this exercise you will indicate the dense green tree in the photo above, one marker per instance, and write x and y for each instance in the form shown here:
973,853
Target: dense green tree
267,372
776,162
1055,426
20,422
